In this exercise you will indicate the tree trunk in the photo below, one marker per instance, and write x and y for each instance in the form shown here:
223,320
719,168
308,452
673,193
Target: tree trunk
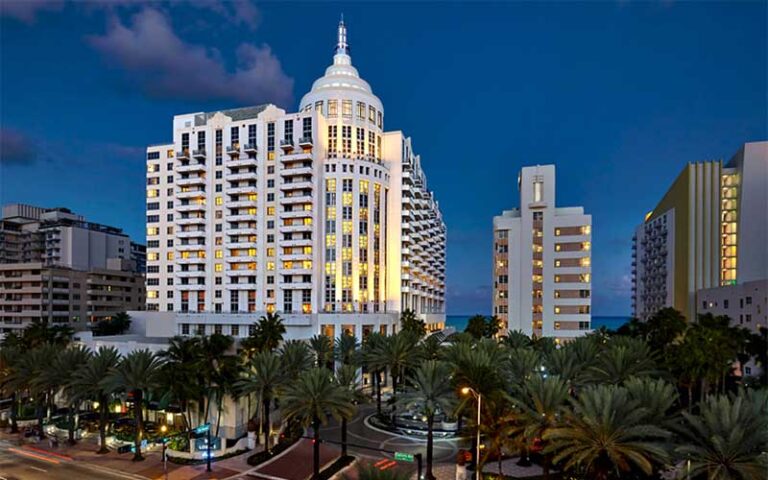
71,426
690,395
219,408
316,448
378,392
13,413
40,415
430,446
137,400
343,437
103,418
265,423
547,462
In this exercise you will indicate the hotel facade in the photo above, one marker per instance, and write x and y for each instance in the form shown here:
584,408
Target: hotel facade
542,262
320,215
706,238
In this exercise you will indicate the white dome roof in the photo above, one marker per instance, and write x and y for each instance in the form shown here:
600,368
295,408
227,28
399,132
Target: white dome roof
341,78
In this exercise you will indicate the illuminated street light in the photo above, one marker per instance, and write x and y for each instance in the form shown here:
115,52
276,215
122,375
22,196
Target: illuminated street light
467,391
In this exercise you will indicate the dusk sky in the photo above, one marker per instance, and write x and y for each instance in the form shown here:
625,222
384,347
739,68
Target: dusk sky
618,95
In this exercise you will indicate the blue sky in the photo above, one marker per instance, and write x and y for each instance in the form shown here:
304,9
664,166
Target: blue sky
618,95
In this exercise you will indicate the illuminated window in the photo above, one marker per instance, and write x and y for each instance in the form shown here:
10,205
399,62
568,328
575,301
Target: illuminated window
538,190
218,267
333,108
586,246
152,231
585,262
219,201
586,230
151,256
169,256
306,264
270,265
219,254
152,294
251,252
153,192
270,210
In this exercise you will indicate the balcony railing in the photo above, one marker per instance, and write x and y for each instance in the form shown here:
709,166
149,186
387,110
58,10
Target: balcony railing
287,144
199,153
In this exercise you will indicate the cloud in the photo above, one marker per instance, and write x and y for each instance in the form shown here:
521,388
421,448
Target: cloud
26,10
16,148
164,66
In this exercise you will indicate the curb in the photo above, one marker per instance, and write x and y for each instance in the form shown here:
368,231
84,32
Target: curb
368,424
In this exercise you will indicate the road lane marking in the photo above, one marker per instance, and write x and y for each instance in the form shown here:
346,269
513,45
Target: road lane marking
39,469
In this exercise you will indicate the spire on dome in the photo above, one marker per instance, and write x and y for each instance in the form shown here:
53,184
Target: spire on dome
341,45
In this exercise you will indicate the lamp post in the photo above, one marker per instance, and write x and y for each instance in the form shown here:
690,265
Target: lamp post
466,391
164,429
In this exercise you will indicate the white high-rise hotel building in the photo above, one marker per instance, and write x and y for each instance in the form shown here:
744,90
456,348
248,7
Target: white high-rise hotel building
318,215
542,262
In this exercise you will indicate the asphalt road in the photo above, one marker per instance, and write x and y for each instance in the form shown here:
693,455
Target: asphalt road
359,434
25,466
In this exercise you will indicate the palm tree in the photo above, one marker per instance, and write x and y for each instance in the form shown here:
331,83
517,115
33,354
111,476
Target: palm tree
268,333
9,355
605,434
264,376
431,348
624,358
430,392
374,362
345,350
181,375
311,400
516,339
322,346
400,354
726,440
296,357
347,378
410,322
138,373
89,380
540,403
524,364
30,374
66,364
211,366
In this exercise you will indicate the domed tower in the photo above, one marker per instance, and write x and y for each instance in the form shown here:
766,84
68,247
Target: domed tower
342,93
354,191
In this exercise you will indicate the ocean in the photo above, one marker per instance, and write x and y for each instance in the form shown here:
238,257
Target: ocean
460,321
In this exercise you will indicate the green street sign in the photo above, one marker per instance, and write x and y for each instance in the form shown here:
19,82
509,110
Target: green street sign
403,457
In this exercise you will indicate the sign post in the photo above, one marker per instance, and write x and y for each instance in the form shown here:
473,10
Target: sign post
418,460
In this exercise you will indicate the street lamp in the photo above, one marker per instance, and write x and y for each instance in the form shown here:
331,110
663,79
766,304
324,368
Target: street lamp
467,391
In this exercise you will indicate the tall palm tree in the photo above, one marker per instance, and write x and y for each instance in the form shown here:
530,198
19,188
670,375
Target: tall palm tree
89,381
374,362
540,403
399,354
296,357
605,434
264,376
410,322
430,392
322,346
30,374
347,378
180,374
726,440
431,348
270,331
212,364
345,350
9,355
65,366
311,400
138,373
624,358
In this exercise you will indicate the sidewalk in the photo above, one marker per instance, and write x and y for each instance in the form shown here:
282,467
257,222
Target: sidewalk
84,452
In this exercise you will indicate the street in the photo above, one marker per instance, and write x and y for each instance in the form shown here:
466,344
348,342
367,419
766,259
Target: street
18,464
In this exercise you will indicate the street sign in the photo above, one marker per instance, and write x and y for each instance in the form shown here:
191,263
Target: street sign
203,428
403,457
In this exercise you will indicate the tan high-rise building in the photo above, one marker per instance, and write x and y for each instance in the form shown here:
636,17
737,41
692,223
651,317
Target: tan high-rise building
709,230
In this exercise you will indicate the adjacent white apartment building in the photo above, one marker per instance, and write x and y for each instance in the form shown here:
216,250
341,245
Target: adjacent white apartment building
319,215
542,262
